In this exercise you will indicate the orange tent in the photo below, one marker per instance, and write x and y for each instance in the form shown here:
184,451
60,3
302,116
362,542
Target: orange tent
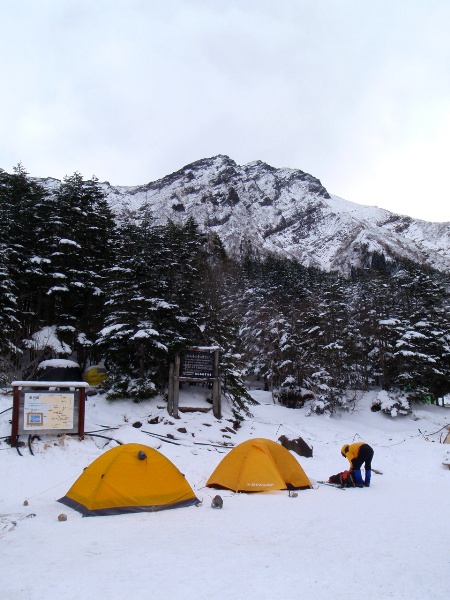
129,478
258,465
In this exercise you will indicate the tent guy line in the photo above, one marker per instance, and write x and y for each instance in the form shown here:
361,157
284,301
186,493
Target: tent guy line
178,442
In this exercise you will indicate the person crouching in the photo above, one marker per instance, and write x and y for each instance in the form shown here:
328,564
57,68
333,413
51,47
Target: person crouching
357,454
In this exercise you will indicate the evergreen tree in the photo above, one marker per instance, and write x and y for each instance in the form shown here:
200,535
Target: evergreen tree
220,320
81,248
23,223
9,322
153,303
421,357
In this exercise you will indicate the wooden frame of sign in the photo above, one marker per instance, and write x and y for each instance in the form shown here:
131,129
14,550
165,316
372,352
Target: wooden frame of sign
199,364
47,408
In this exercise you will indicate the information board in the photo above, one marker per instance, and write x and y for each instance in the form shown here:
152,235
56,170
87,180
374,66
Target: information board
39,407
197,364
48,410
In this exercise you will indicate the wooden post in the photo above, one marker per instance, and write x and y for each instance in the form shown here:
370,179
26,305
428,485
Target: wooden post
15,415
176,387
81,412
170,389
216,393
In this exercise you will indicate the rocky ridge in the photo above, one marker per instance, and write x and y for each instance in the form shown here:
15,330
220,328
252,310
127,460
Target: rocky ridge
257,209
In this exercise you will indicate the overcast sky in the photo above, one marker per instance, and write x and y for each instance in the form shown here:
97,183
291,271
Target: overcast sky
355,92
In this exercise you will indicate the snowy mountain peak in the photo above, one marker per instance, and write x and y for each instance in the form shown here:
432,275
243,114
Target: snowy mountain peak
258,209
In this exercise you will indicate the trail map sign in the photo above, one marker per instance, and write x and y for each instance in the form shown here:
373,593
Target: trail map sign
197,365
47,408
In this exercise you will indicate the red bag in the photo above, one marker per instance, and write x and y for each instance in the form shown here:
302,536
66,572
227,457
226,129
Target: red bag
344,479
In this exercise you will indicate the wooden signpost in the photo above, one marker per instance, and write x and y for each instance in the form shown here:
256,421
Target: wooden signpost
199,364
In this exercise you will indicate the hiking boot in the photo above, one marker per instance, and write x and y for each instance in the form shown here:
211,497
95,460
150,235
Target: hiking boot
357,477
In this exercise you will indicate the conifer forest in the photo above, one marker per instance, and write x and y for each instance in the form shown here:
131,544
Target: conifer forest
116,289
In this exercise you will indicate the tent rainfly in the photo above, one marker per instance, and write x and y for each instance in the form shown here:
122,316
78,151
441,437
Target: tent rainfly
259,465
95,375
126,479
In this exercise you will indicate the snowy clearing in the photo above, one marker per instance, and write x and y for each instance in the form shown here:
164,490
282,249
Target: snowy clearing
386,541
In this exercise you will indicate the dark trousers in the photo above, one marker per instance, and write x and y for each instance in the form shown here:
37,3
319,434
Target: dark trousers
365,455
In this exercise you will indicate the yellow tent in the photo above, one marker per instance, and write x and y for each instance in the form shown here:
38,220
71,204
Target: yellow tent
95,374
129,478
258,465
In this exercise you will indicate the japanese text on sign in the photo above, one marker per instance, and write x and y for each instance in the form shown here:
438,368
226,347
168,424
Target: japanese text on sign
198,364
48,411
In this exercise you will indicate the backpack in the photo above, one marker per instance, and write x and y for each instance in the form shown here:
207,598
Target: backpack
344,479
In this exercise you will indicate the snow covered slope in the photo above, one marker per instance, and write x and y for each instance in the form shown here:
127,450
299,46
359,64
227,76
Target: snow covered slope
256,209
386,541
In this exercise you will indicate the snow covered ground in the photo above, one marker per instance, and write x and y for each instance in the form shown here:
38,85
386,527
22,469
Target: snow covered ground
387,541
